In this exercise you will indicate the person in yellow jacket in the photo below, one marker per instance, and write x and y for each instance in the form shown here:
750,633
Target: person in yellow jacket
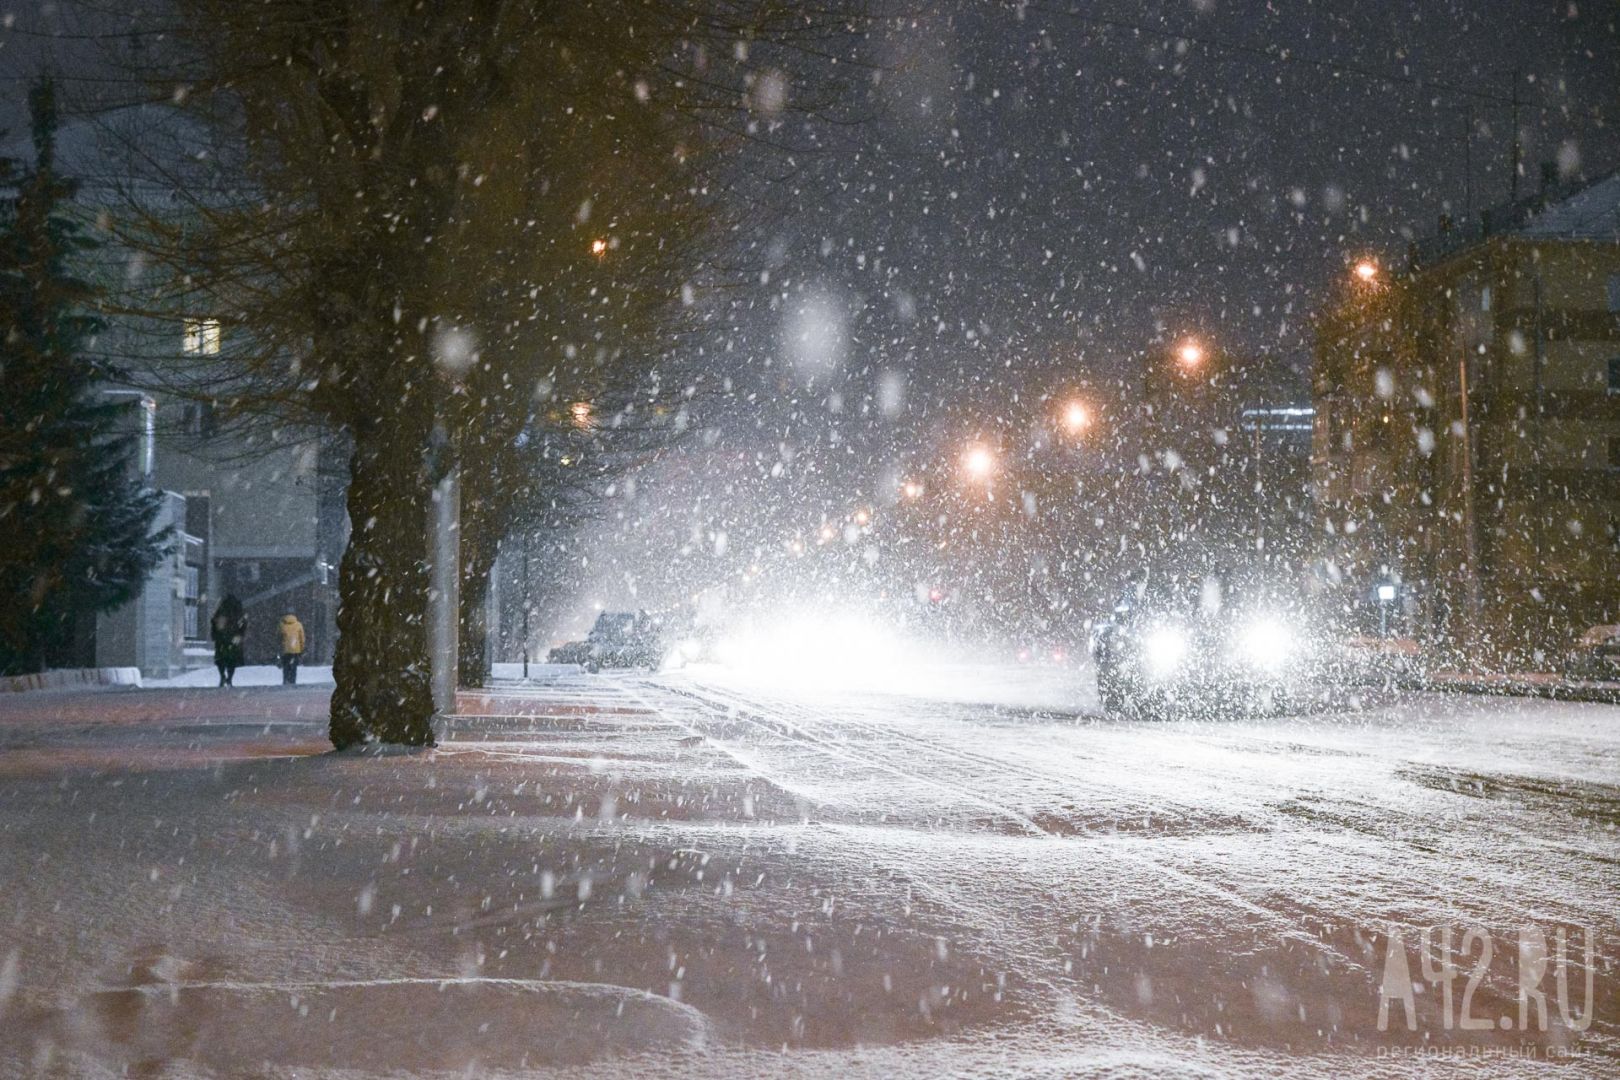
292,647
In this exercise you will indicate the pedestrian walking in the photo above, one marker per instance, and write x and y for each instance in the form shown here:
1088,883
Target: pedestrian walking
292,648
229,631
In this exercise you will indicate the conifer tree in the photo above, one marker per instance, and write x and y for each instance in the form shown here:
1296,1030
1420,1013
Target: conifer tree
77,520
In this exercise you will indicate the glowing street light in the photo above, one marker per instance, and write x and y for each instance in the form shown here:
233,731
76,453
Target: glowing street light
1366,271
599,247
1190,354
1076,417
581,412
978,462
863,517
911,489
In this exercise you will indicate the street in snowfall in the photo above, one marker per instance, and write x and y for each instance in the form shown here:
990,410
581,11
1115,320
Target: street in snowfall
732,538
696,874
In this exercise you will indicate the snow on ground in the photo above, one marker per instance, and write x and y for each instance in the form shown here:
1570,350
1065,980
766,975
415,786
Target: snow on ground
699,874
321,675
252,675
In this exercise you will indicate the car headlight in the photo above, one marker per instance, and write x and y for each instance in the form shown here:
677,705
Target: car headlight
1266,643
1163,649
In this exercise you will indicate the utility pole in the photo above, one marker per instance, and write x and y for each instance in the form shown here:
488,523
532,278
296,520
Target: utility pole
1468,158
525,604
1538,444
1518,150
1471,583
1258,494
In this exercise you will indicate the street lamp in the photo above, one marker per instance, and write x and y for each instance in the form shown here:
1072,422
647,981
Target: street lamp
599,247
911,489
1189,354
1366,271
1386,597
978,462
1076,417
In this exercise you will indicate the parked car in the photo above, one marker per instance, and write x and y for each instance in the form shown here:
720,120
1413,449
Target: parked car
570,652
1596,654
619,639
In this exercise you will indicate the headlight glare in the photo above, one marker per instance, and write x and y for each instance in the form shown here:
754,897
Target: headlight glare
1163,649
1266,643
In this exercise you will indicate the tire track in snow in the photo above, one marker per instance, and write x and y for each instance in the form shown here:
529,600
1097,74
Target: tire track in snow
752,713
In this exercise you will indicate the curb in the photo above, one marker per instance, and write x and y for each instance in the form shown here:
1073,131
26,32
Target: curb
1600,694
71,679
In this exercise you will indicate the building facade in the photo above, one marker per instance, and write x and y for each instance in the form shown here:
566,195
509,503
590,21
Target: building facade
1466,453
259,514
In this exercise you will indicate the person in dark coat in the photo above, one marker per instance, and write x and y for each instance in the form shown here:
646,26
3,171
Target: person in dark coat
229,630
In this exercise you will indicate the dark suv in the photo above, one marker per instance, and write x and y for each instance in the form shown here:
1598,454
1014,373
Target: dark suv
1191,641
619,639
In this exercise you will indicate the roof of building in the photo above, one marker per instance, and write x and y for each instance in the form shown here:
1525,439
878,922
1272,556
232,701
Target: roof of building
1585,211
1590,213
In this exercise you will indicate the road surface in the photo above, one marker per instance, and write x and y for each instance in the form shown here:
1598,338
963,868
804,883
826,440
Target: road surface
696,874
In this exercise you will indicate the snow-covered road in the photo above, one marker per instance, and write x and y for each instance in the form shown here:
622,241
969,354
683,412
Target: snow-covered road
692,873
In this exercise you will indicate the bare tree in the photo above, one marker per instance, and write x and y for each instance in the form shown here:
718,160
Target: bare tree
431,223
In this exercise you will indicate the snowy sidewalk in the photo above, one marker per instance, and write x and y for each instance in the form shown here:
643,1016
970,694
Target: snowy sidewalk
195,884
252,675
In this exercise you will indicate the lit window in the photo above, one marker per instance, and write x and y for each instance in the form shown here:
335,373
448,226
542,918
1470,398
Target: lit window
201,337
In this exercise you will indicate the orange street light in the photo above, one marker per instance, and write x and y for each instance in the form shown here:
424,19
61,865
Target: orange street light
1076,417
599,247
1190,354
911,489
1366,271
978,462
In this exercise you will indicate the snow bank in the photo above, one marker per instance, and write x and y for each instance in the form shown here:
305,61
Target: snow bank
72,679
253,675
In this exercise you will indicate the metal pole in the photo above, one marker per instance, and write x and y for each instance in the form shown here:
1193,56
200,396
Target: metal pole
1538,444
1518,150
444,591
1470,539
1468,159
1259,478
525,605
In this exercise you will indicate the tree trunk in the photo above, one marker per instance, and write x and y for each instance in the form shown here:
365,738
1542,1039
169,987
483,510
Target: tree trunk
381,665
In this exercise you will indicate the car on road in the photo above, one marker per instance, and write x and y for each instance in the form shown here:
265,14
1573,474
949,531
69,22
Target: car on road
619,639
1192,642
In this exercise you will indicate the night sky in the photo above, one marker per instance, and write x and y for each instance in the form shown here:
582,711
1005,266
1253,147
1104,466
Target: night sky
1041,195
